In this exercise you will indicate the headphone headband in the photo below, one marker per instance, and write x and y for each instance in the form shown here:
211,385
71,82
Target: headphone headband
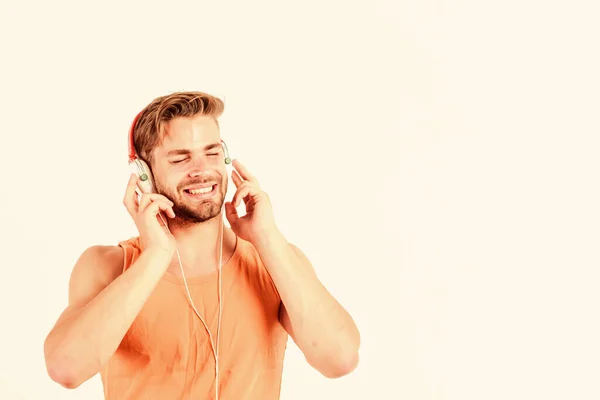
133,154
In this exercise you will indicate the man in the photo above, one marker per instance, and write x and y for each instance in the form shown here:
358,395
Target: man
130,315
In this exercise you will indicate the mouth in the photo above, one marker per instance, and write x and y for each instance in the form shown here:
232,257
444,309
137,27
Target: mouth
201,191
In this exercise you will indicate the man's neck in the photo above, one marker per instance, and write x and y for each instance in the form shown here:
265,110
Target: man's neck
199,246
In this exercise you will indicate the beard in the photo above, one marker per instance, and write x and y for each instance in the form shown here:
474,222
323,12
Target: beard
190,212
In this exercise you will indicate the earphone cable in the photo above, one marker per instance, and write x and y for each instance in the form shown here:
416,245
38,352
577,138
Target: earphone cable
214,346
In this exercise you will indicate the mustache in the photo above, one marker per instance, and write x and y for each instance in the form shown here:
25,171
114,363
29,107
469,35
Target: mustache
201,181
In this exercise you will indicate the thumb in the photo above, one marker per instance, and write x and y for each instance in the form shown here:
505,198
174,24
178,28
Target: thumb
231,213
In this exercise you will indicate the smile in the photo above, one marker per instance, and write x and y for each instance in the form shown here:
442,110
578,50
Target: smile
201,191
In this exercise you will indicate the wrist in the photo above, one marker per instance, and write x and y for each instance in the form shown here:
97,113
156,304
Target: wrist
159,254
268,239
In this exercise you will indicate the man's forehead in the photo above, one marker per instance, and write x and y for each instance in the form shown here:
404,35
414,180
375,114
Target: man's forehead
190,132
191,126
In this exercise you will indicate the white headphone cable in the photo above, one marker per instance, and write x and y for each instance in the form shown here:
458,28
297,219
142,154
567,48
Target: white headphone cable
214,347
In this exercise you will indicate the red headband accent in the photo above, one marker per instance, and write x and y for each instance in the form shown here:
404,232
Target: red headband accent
132,153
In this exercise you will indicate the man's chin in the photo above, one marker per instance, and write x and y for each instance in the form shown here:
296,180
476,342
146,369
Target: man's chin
198,214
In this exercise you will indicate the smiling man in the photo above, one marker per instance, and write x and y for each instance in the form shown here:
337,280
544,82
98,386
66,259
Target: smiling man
192,309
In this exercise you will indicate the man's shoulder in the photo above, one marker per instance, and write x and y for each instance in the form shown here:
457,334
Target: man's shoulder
96,267
103,260
103,254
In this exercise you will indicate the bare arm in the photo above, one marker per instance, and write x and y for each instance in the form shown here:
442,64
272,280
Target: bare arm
103,304
318,324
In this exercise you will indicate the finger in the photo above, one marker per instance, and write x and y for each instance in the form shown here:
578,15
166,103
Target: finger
131,184
231,213
161,205
156,207
137,197
236,178
156,196
153,214
164,205
166,208
147,198
243,192
169,211
130,198
244,172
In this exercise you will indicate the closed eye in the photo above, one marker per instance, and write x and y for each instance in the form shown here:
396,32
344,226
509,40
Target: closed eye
178,161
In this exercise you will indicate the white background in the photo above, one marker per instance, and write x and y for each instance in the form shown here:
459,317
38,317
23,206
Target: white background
437,161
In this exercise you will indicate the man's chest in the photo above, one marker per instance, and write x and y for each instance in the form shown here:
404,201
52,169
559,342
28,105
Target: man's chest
170,335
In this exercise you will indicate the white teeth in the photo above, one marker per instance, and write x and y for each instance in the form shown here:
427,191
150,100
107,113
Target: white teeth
201,191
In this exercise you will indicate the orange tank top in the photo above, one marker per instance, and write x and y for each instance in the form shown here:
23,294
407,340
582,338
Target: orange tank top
166,354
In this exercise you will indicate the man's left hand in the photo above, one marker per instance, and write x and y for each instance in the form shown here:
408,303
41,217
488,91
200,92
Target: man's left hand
259,220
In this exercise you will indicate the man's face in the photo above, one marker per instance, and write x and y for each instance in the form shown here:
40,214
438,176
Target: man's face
189,168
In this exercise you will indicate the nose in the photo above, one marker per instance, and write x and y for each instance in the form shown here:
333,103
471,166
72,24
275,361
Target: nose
199,167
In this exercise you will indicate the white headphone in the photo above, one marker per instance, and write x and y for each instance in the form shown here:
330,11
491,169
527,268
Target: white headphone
142,169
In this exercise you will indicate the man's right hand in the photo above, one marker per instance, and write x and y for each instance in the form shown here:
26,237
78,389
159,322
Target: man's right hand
154,234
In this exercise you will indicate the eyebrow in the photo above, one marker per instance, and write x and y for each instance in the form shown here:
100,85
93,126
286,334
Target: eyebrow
186,151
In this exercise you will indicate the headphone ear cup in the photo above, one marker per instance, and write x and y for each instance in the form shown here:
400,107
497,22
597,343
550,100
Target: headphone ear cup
226,153
143,171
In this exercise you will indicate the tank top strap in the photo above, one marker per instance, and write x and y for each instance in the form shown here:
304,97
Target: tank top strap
131,251
257,271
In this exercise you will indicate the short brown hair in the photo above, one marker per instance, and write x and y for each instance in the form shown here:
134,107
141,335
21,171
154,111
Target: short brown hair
148,130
